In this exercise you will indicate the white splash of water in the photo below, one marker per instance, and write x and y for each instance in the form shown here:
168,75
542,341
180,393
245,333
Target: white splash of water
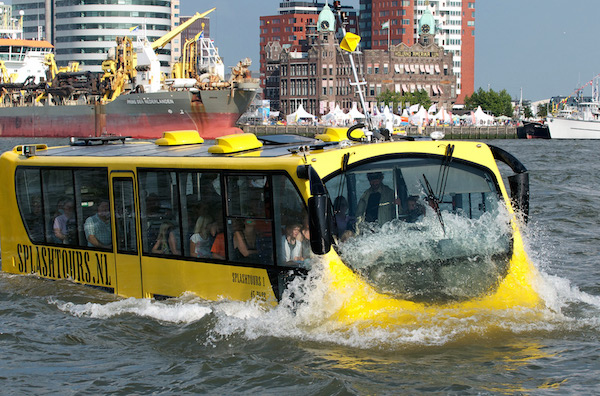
164,311
308,307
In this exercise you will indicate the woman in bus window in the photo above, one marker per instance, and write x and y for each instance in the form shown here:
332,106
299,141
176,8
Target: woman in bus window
204,235
292,244
166,243
244,240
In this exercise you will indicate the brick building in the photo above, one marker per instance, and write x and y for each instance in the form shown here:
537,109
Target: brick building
293,28
319,76
454,25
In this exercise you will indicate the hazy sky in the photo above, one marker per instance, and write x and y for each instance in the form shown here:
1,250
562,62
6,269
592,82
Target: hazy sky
545,47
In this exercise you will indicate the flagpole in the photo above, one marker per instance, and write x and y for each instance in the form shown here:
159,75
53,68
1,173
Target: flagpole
389,35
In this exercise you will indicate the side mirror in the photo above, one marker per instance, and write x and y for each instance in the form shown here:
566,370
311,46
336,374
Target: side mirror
320,211
320,223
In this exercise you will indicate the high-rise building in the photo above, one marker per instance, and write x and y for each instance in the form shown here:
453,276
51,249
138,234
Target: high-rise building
83,31
387,22
292,27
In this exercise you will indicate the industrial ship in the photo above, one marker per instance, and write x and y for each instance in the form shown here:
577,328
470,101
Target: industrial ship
130,97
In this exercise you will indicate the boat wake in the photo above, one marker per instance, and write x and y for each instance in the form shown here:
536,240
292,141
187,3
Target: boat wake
308,308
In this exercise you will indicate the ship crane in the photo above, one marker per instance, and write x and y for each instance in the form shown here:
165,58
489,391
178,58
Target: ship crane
147,60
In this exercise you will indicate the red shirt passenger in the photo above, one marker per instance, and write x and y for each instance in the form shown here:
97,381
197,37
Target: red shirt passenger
218,247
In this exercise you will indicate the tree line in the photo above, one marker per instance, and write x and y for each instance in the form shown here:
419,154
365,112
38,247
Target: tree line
496,103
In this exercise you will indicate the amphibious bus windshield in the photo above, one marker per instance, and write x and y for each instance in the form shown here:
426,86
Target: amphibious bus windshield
421,227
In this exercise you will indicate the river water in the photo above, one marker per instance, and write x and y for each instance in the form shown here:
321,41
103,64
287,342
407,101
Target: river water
62,338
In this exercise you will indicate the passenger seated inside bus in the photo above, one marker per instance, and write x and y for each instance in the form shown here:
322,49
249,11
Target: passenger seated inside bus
64,224
203,237
292,244
97,227
166,242
377,204
153,218
342,220
244,240
35,220
414,210
218,247
306,249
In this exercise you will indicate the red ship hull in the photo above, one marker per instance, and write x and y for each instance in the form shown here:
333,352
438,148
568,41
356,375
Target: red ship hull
143,116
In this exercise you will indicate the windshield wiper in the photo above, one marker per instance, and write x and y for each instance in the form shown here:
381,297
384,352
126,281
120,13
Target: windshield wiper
434,202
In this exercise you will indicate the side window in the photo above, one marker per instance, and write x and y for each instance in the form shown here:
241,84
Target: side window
249,219
159,201
29,199
93,208
126,236
74,206
59,208
291,223
202,213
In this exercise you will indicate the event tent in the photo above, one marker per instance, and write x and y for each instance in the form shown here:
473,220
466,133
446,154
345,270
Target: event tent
335,117
354,114
481,118
298,115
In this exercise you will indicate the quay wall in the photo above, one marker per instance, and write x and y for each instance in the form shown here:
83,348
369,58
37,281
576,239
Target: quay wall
451,132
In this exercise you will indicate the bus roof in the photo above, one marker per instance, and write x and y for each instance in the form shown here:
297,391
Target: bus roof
272,146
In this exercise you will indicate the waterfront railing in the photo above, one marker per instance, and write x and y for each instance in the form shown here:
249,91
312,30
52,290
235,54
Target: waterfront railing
451,132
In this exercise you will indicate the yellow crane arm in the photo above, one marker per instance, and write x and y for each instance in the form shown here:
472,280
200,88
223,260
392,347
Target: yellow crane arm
166,39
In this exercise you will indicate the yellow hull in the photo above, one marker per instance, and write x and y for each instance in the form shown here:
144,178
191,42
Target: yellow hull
362,304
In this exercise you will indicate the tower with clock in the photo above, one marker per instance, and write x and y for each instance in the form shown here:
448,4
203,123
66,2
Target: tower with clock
426,27
326,21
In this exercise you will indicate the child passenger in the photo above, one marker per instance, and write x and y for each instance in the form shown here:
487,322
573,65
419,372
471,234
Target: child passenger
292,244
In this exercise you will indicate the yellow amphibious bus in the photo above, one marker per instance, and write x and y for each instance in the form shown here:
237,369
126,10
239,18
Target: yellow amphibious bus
398,225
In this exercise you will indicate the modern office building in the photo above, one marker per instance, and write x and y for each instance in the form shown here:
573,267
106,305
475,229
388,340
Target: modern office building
383,23
83,31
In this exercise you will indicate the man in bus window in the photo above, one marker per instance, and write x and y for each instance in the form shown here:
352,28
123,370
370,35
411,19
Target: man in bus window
63,224
97,227
377,203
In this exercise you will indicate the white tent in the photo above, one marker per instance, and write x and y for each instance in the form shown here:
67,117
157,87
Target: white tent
481,118
419,117
298,115
335,117
354,114
443,116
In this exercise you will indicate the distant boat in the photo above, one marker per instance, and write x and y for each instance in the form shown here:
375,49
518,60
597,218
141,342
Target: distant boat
533,130
578,122
574,128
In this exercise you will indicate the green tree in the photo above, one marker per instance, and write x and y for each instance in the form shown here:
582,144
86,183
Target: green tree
498,103
542,111
527,112
421,97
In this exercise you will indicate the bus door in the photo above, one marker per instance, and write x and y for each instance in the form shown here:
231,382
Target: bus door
126,231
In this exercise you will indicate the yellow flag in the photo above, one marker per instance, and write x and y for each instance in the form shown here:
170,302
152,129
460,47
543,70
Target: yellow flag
350,42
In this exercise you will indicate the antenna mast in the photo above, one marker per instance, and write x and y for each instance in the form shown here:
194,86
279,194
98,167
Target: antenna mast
341,17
